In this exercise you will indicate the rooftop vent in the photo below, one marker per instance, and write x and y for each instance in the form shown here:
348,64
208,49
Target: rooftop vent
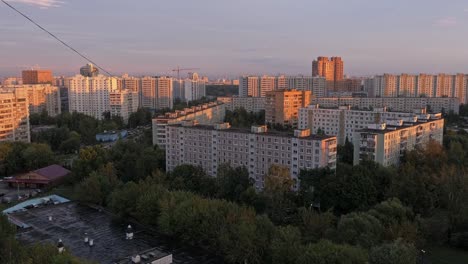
259,129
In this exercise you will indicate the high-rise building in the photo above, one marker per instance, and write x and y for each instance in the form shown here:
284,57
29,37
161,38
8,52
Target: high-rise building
386,143
41,97
342,122
250,104
422,85
12,81
258,86
256,149
123,103
156,92
398,104
282,106
129,83
330,68
206,114
14,117
90,95
194,88
89,70
37,77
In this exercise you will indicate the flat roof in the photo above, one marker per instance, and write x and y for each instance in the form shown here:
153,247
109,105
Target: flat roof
70,222
396,128
269,132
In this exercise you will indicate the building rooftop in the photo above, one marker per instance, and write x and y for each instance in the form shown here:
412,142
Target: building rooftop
180,113
248,131
53,172
70,221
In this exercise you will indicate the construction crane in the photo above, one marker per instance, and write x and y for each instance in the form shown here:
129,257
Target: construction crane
178,70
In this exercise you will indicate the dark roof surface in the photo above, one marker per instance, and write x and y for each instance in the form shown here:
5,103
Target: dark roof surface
70,222
53,172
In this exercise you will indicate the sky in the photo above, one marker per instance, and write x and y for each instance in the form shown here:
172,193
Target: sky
230,38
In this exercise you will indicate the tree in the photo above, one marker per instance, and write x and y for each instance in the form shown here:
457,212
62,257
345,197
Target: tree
360,229
98,186
393,253
346,152
191,178
37,156
325,252
314,226
286,246
278,180
232,182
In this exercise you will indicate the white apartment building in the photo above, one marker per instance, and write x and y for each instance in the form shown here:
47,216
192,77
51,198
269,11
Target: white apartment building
256,149
250,104
385,143
41,97
123,103
90,95
206,114
422,85
258,86
14,117
194,89
342,122
397,104
156,92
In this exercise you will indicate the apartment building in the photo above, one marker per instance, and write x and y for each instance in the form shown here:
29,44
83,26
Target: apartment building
14,116
332,69
250,104
41,97
397,104
194,89
156,92
129,83
256,149
123,103
206,114
90,95
258,86
422,85
37,77
342,122
282,106
385,143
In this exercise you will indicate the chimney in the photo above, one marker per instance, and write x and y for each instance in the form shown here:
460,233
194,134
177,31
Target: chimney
91,242
60,246
86,239
129,233
136,259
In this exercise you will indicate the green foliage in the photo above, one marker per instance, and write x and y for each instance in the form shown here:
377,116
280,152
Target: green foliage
286,246
325,252
194,179
241,118
360,229
222,90
140,118
232,182
314,226
98,186
393,253
346,152
16,157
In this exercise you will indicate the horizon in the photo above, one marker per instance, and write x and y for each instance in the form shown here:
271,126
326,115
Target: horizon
122,40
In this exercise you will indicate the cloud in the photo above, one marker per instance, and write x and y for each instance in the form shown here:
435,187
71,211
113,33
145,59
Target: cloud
446,22
44,4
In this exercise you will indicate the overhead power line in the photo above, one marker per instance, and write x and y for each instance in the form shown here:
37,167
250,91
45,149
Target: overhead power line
57,38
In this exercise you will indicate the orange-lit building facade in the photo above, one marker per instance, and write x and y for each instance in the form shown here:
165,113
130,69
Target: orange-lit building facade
282,107
37,77
14,116
330,68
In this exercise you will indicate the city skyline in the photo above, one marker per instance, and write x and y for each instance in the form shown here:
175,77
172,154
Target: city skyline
229,39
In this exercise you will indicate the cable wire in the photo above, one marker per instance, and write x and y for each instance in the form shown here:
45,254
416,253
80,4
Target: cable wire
55,37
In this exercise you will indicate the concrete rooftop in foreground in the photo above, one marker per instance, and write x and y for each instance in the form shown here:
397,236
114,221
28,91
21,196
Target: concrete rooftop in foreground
70,222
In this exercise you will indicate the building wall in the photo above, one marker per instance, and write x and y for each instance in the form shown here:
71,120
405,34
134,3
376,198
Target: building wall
90,95
250,104
282,107
206,114
209,148
156,93
123,103
41,97
37,77
398,104
387,144
14,117
344,121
